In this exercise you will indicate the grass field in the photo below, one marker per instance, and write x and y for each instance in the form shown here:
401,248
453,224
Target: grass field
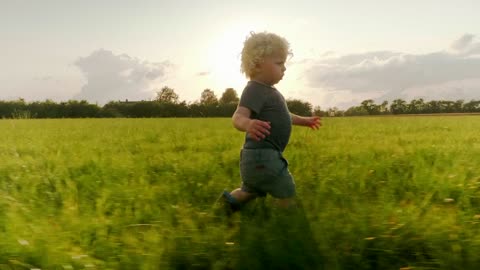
377,193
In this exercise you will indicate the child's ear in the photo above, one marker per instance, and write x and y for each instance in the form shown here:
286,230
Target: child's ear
258,66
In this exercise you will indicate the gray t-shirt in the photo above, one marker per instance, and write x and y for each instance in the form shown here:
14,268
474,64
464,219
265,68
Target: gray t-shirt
267,104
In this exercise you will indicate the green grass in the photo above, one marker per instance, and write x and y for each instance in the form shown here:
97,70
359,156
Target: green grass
377,193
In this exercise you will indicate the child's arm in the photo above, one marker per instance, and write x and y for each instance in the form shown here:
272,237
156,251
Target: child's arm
256,129
313,121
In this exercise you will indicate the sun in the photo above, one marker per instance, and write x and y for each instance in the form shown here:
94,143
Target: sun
224,58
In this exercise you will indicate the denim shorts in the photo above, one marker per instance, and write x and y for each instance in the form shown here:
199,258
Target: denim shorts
265,171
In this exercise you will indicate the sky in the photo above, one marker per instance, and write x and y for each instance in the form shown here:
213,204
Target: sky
343,51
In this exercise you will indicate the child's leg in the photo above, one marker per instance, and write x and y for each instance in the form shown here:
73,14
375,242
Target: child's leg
235,200
242,196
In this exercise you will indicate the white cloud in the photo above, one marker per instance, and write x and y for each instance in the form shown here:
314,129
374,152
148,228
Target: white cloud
118,77
463,42
466,46
452,90
453,73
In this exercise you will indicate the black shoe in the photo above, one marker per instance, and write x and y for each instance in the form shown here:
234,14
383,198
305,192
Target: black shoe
226,204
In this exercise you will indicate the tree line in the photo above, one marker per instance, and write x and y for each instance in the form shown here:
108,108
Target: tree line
415,106
167,104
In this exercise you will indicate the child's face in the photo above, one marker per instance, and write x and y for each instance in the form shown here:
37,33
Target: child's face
271,70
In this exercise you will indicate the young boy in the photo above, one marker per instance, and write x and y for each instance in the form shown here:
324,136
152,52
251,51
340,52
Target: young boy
263,114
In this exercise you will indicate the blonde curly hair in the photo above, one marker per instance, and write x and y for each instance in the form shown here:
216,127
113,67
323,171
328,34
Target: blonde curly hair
257,46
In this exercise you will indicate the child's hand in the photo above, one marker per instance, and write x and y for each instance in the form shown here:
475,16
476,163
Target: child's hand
258,129
313,122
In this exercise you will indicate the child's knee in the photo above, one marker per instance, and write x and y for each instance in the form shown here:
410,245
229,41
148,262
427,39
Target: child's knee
242,196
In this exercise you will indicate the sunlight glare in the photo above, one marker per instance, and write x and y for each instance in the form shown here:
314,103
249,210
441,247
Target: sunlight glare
224,58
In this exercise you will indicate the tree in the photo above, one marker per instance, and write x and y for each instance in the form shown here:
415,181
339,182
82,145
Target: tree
299,107
208,97
370,106
317,111
334,111
416,106
229,96
459,106
472,106
447,106
398,106
383,108
356,111
167,95
433,106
